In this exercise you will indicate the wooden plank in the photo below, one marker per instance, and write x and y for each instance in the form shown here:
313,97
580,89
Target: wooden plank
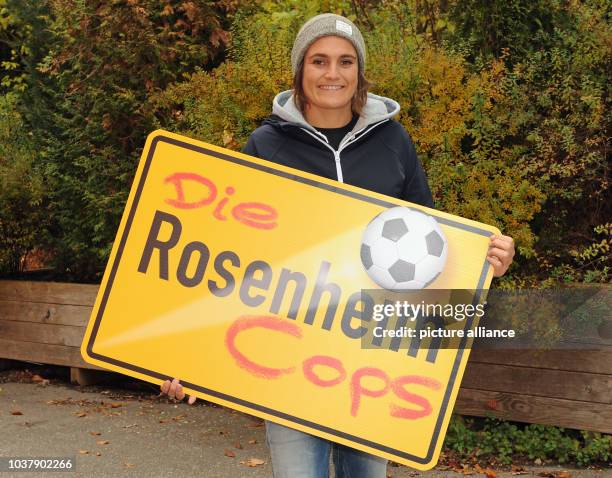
44,313
530,409
588,387
31,332
591,361
43,353
49,292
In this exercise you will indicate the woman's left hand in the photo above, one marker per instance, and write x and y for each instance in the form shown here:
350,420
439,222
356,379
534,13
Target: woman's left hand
500,254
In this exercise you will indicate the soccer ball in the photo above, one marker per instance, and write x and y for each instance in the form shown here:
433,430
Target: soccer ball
403,249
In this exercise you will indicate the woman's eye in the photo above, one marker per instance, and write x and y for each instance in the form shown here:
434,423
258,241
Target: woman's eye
318,62
347,62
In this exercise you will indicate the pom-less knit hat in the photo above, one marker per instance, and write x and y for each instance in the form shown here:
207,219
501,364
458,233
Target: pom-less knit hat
327,24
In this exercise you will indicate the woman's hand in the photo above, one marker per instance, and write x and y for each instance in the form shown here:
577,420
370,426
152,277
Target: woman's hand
175,390
501,252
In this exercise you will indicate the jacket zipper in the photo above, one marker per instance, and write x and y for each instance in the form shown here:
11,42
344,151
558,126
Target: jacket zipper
353,138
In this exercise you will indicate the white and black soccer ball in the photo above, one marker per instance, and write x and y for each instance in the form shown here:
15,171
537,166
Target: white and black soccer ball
403,249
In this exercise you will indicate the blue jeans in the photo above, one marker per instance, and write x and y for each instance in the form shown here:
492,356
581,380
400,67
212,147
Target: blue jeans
299,455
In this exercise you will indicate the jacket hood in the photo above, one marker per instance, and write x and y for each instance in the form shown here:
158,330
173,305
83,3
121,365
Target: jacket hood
377,108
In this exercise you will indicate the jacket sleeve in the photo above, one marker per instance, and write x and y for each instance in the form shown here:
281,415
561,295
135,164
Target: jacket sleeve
250,148
416,189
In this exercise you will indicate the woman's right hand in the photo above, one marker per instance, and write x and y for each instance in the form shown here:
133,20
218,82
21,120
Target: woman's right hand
174,390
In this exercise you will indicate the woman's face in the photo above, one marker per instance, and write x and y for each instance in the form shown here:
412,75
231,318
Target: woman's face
330,74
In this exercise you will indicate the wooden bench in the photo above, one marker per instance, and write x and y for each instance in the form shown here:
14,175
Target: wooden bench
44,322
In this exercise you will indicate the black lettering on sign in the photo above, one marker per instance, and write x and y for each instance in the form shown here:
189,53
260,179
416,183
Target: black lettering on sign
153,242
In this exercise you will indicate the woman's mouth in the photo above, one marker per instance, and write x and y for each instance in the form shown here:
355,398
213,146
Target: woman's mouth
331,87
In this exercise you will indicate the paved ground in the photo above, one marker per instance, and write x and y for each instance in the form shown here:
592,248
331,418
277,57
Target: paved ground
128,431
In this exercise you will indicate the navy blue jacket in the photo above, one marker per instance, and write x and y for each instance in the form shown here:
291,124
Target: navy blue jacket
379,156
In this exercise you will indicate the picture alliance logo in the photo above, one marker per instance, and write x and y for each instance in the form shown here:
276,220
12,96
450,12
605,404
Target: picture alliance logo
403,249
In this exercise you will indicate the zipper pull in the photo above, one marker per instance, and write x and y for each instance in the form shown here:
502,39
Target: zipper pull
338,166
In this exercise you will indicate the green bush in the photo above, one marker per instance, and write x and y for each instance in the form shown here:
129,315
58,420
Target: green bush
501,441
90,68
22,191
511,126
517,141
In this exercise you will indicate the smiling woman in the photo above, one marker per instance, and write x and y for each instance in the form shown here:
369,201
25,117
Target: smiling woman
331,126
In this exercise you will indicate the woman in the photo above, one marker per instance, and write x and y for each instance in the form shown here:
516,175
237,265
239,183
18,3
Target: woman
329,125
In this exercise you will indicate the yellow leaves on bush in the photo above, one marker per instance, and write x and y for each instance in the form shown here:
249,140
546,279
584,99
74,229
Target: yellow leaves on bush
225,105
442,98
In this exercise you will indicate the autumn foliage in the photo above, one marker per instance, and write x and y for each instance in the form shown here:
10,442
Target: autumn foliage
507,107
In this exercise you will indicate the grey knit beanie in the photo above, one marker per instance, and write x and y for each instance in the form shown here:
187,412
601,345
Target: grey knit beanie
327,24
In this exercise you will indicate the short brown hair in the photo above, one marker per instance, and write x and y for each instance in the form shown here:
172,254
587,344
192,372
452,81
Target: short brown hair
357,103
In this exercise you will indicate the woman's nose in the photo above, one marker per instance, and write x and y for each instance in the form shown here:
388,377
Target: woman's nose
332,71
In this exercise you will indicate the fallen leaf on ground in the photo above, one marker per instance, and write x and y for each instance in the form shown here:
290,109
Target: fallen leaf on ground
116,405
555,474
252,442
98,453
253,462
229,453
254,425
129,465
103,442
464,470
518,470
37,378
80,414
95,433
63,401
487,471
16,412
84,452
238,445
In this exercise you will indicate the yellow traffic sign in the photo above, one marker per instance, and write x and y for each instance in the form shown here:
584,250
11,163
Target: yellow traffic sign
244,279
